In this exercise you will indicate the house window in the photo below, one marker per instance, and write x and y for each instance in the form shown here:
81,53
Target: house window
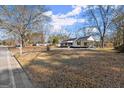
85,43
69,44
78,42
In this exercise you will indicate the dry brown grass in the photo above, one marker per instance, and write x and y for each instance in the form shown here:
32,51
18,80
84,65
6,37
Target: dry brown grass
73,68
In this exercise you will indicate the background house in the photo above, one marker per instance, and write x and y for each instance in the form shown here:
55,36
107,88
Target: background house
37,38
87,41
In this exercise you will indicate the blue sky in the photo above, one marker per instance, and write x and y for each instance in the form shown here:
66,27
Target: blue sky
71,18
67,18
56,9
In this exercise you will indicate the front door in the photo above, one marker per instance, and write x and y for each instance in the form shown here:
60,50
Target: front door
85,44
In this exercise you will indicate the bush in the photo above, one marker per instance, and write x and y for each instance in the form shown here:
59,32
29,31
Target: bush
55,40
120,48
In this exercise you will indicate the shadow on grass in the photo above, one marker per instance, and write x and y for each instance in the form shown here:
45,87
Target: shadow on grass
76,72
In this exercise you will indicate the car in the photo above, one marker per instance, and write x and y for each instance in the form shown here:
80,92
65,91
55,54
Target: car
18,46
36,44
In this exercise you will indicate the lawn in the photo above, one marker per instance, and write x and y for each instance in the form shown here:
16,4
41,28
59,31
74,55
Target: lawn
72,68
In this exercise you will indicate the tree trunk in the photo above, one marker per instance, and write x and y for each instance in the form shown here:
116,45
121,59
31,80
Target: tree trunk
102,42
22,45
48,48
22,41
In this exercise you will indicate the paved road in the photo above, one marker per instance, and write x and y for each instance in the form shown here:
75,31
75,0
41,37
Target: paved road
11,73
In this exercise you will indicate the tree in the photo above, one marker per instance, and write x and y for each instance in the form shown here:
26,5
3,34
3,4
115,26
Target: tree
87,31
36,37
119,28
101,18
21,20
55,39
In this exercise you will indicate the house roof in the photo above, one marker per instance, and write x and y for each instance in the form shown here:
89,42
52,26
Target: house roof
69,40
84,38
73,39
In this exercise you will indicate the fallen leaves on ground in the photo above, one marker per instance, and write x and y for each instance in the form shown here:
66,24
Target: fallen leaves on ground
74,68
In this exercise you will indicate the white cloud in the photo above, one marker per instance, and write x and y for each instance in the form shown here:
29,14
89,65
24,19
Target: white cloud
48,13
58,23
61,20
76,11
67,21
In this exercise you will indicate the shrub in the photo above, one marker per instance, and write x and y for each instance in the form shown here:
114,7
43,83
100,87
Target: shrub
120,48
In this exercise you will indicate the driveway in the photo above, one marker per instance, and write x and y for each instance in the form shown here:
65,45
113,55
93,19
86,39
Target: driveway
11,73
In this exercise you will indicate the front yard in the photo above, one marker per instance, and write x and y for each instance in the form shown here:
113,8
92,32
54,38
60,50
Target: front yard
72,68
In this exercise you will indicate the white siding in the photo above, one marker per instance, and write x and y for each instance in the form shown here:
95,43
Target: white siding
90,39
74,43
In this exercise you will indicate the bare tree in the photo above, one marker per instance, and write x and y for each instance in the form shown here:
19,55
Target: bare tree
119,28
101,16
21,19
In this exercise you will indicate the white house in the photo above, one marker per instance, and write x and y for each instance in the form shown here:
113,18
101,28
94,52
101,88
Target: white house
87,41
